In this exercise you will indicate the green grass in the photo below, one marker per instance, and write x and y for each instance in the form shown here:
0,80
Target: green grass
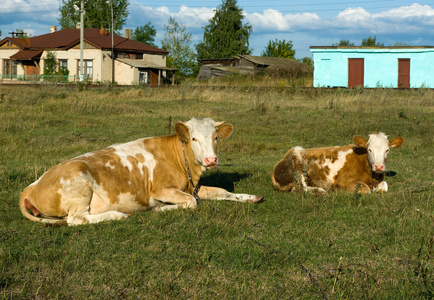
353,246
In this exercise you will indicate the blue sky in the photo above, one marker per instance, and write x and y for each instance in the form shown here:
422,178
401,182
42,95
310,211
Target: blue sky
305,23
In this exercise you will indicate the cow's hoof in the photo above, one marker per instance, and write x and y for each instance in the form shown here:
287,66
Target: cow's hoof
256,199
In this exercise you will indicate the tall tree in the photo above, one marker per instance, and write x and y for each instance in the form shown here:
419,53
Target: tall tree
98,14
371,42
344,43
225,35
279,48
178,42
145,34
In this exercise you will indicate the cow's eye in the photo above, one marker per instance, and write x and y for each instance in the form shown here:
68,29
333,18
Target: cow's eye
369,150
194,140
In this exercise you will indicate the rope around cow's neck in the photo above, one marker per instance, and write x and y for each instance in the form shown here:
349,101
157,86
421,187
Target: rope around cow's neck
197,187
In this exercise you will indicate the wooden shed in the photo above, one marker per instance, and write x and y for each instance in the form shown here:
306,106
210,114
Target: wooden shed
249,64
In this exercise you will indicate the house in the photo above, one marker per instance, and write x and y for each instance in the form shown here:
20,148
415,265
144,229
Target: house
134,62
249,64
372,67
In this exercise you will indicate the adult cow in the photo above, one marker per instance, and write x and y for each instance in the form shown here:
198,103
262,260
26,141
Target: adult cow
152,173
354,167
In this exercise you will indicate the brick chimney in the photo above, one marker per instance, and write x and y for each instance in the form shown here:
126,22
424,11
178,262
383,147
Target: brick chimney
129,33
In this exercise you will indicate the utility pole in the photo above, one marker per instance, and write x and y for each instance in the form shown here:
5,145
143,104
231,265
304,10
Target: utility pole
82,12
113,58
81,65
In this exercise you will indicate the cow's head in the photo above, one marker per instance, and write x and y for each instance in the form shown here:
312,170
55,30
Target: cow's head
203,135
377,147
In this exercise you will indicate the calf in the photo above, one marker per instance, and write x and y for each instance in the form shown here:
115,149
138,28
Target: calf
349,168
153,173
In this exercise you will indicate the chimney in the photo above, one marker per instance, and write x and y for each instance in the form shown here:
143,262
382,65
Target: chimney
78,25
53,29
129,33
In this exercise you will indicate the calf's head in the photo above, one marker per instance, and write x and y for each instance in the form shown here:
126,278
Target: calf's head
203,136
377,147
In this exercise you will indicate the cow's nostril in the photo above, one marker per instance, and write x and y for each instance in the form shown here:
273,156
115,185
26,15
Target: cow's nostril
209,161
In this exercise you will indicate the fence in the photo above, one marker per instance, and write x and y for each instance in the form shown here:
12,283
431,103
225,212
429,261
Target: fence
40,78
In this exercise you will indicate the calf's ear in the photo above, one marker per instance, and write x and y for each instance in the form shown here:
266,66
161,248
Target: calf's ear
396,142
224,130
182,132
360,141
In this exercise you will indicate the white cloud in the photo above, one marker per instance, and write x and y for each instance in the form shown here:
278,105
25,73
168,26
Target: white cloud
272,19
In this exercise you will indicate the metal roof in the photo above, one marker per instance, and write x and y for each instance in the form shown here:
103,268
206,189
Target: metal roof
143,64
26,54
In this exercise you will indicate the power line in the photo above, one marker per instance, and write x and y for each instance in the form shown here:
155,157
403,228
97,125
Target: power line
282,8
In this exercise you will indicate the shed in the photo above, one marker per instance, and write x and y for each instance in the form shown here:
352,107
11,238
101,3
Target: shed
373,67
249,64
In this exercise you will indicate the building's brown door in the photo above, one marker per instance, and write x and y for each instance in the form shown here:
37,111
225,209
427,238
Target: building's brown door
154,77
403,72
356,72
31,70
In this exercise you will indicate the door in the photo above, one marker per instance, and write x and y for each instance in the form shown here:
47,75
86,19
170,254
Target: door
403,73
356,72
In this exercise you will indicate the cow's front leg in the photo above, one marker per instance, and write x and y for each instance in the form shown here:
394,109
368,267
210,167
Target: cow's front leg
381,187
214,193
174,198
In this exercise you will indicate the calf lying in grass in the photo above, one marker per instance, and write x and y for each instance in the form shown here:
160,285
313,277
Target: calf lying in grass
353,167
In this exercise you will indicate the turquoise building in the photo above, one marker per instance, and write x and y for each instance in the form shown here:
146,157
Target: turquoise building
373,67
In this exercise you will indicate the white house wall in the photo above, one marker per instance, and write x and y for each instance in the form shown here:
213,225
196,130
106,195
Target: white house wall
155,59
5,54
125,74
99,62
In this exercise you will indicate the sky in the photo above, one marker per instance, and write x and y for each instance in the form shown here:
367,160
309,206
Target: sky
306,23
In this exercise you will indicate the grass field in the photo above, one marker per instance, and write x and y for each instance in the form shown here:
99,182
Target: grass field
290,246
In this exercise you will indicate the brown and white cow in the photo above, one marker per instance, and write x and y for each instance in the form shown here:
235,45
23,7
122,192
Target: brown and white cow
354,167
152,173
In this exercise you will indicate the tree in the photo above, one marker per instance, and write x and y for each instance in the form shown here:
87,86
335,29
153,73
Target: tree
98,14
145,34
178,42
344,43
50,63
401,44
307,61
279,49
371,42
225,35
50,67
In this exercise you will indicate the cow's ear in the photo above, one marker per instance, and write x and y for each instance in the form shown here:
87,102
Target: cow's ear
396,142
360,141
182,132
224,130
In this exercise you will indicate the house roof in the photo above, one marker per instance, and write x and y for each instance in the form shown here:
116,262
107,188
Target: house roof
143,64
363,47
26,54
70,37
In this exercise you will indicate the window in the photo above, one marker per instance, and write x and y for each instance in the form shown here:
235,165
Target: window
10,67
88,68
63,63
